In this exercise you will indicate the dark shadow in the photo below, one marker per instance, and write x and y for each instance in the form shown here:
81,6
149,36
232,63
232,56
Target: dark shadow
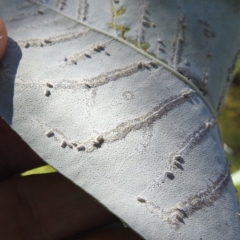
162,50
147,67
183,212
8,70
179,166
179,163
163,45
170,175
147,12
146,24
180,219
181,160
146,18
98,143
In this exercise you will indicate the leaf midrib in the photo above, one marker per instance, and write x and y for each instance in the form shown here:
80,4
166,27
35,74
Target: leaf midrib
140,51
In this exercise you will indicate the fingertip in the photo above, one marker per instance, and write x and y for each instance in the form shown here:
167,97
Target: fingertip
3,38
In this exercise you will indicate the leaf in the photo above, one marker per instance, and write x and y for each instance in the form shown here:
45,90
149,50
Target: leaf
236,178
39,170
238,191
121,124
183,34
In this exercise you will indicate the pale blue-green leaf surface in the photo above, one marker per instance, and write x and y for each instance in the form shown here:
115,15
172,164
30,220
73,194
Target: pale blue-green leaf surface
114,120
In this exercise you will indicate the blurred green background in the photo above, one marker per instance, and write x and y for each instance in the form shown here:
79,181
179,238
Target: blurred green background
229,122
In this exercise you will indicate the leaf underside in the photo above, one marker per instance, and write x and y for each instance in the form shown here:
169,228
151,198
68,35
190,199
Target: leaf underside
122,127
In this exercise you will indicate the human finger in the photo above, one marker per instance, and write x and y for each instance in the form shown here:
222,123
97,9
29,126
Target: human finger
111,234
3,38
15,155
48,207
